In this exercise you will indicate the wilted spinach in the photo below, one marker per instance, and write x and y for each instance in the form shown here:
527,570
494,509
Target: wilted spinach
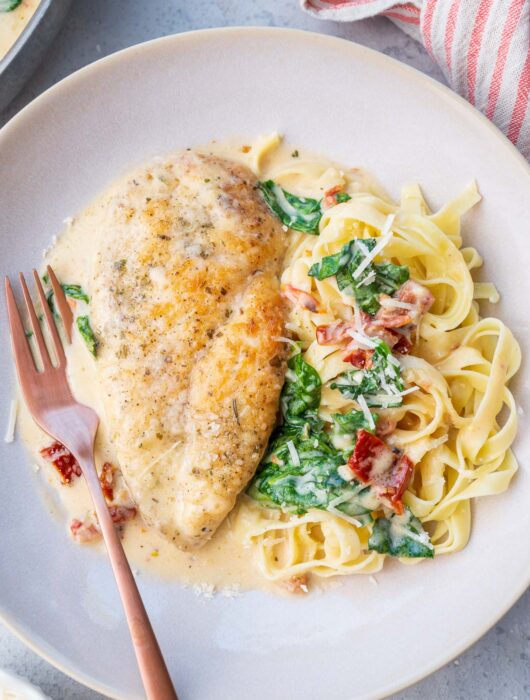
374,280
401,536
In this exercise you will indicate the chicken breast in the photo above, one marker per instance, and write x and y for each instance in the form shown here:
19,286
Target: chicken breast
187,309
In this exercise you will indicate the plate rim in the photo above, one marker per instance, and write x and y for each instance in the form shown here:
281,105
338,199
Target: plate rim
355,49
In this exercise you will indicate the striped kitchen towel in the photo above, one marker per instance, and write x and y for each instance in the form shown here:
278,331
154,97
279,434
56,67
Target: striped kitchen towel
482,46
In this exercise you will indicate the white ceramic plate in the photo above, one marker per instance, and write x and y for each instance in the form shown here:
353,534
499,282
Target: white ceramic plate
359,640
15,688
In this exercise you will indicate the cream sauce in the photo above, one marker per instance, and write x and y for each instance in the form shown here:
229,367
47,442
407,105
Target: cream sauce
13,23
226,562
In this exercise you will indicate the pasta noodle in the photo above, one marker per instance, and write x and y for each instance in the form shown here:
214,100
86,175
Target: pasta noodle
459,419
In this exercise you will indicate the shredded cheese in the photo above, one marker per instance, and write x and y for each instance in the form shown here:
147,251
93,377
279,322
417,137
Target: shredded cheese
291,375
145,471
394,361
362,247
358,318
294,454
340,514
386,386
332,508
386,235
409,391
288,208
383,398
367,413
395,303
292,327
367,280
362,339
345,472
11,422
282,339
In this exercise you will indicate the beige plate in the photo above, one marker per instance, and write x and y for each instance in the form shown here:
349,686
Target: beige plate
356,641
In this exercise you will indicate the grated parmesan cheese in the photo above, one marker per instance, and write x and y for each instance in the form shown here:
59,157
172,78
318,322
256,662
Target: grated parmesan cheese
294,454
395,303
145,471
367,413
283,339
367,280
394,361
11,422
358,318
362,339
288,208
292,327
383,398
206,590
345,472
365,339
233,591
409,390
386,235
332,508
362,247
386,386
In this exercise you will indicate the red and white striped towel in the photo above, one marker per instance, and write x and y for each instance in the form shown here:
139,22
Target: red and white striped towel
482,46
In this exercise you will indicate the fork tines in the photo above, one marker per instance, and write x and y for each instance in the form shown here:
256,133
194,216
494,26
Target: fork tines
21,348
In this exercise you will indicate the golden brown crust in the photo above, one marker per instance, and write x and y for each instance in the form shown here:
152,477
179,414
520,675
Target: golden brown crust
186,304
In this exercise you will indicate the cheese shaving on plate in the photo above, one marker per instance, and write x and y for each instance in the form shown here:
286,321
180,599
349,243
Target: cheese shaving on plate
11,422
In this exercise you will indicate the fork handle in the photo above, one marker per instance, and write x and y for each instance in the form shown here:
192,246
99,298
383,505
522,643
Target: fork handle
153,670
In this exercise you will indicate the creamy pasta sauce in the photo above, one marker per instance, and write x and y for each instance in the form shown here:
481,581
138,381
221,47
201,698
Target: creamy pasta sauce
12,23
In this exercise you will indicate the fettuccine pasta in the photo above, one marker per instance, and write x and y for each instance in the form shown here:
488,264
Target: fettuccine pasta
410,362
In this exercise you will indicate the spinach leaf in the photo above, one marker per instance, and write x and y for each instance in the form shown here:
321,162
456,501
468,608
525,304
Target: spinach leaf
300,469
352,421
84,327
391,277
331,264
299,213
400,536
344,432
383,278
75,292
49,298
304,484
9,5
301,392
341,197
380,385
312,479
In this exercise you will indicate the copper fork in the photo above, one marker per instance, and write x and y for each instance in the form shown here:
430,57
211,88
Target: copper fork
53,407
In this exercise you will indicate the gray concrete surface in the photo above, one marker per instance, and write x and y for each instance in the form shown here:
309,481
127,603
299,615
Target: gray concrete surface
498,666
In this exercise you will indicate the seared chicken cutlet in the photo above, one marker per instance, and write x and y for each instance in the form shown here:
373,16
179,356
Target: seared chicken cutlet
186,305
